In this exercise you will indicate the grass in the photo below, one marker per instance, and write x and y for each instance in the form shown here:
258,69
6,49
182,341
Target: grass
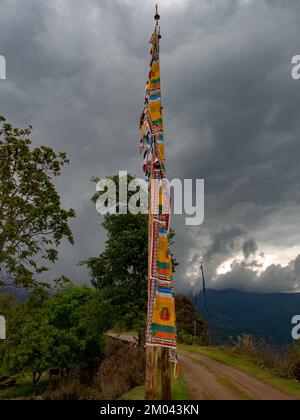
136,394
23,388
244,363
179,390
233,388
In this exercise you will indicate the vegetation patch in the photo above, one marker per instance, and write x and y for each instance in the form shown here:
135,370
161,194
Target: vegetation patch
179,390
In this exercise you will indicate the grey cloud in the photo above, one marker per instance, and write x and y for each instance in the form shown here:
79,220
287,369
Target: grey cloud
275,279
76,71
225,242
249,248
297,266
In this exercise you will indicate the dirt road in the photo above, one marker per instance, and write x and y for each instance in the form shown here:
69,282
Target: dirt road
208,379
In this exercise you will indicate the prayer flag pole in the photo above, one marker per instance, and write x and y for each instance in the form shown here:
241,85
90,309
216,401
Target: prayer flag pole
161,320
151,351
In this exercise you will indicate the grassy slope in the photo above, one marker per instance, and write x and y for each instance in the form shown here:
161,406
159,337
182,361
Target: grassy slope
179,391
23,388
244,363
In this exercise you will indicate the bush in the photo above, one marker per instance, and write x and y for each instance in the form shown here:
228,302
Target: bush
284,363
189,339
122,369
293,361
68,389
296,370
184,338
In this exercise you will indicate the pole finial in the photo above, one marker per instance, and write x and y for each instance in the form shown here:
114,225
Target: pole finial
156,16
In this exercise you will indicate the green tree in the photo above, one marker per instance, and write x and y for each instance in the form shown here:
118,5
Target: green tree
189,322
61,331
28,343
32,221
75,315
120,271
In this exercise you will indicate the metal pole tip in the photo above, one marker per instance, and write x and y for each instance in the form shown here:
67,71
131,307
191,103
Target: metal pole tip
156,16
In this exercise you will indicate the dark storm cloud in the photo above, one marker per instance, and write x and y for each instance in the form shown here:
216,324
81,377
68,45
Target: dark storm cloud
249,248
76,71
225,242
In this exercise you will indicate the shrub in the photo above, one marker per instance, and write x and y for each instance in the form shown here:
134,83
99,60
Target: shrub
122,369
68,389
294,361
283,363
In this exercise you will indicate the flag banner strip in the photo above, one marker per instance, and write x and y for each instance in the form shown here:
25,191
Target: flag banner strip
161,318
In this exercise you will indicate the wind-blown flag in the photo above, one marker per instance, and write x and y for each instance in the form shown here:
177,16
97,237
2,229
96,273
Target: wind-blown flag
161,319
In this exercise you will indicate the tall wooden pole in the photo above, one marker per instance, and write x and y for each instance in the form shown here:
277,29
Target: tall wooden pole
165,361
165,374
151,351
151,373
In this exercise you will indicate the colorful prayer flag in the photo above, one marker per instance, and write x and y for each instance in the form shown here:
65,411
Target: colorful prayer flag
161,318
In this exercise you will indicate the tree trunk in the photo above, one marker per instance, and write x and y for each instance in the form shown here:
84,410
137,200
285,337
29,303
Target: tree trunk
142,338
36,376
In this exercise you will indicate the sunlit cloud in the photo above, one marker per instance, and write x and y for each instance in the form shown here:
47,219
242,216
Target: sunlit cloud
261,260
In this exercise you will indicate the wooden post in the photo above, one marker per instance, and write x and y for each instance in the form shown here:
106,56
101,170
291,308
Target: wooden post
151,373
151,351
165,374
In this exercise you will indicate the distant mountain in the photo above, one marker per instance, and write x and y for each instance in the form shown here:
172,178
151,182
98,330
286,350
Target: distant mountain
19,293
232,312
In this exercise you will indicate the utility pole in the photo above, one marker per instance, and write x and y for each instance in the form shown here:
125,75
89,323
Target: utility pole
195,330
204,287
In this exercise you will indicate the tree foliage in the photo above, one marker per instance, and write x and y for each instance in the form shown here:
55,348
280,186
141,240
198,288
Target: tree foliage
61,331
187,319
120,271
32,220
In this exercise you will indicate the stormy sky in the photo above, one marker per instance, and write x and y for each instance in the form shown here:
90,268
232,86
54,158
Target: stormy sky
76,71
